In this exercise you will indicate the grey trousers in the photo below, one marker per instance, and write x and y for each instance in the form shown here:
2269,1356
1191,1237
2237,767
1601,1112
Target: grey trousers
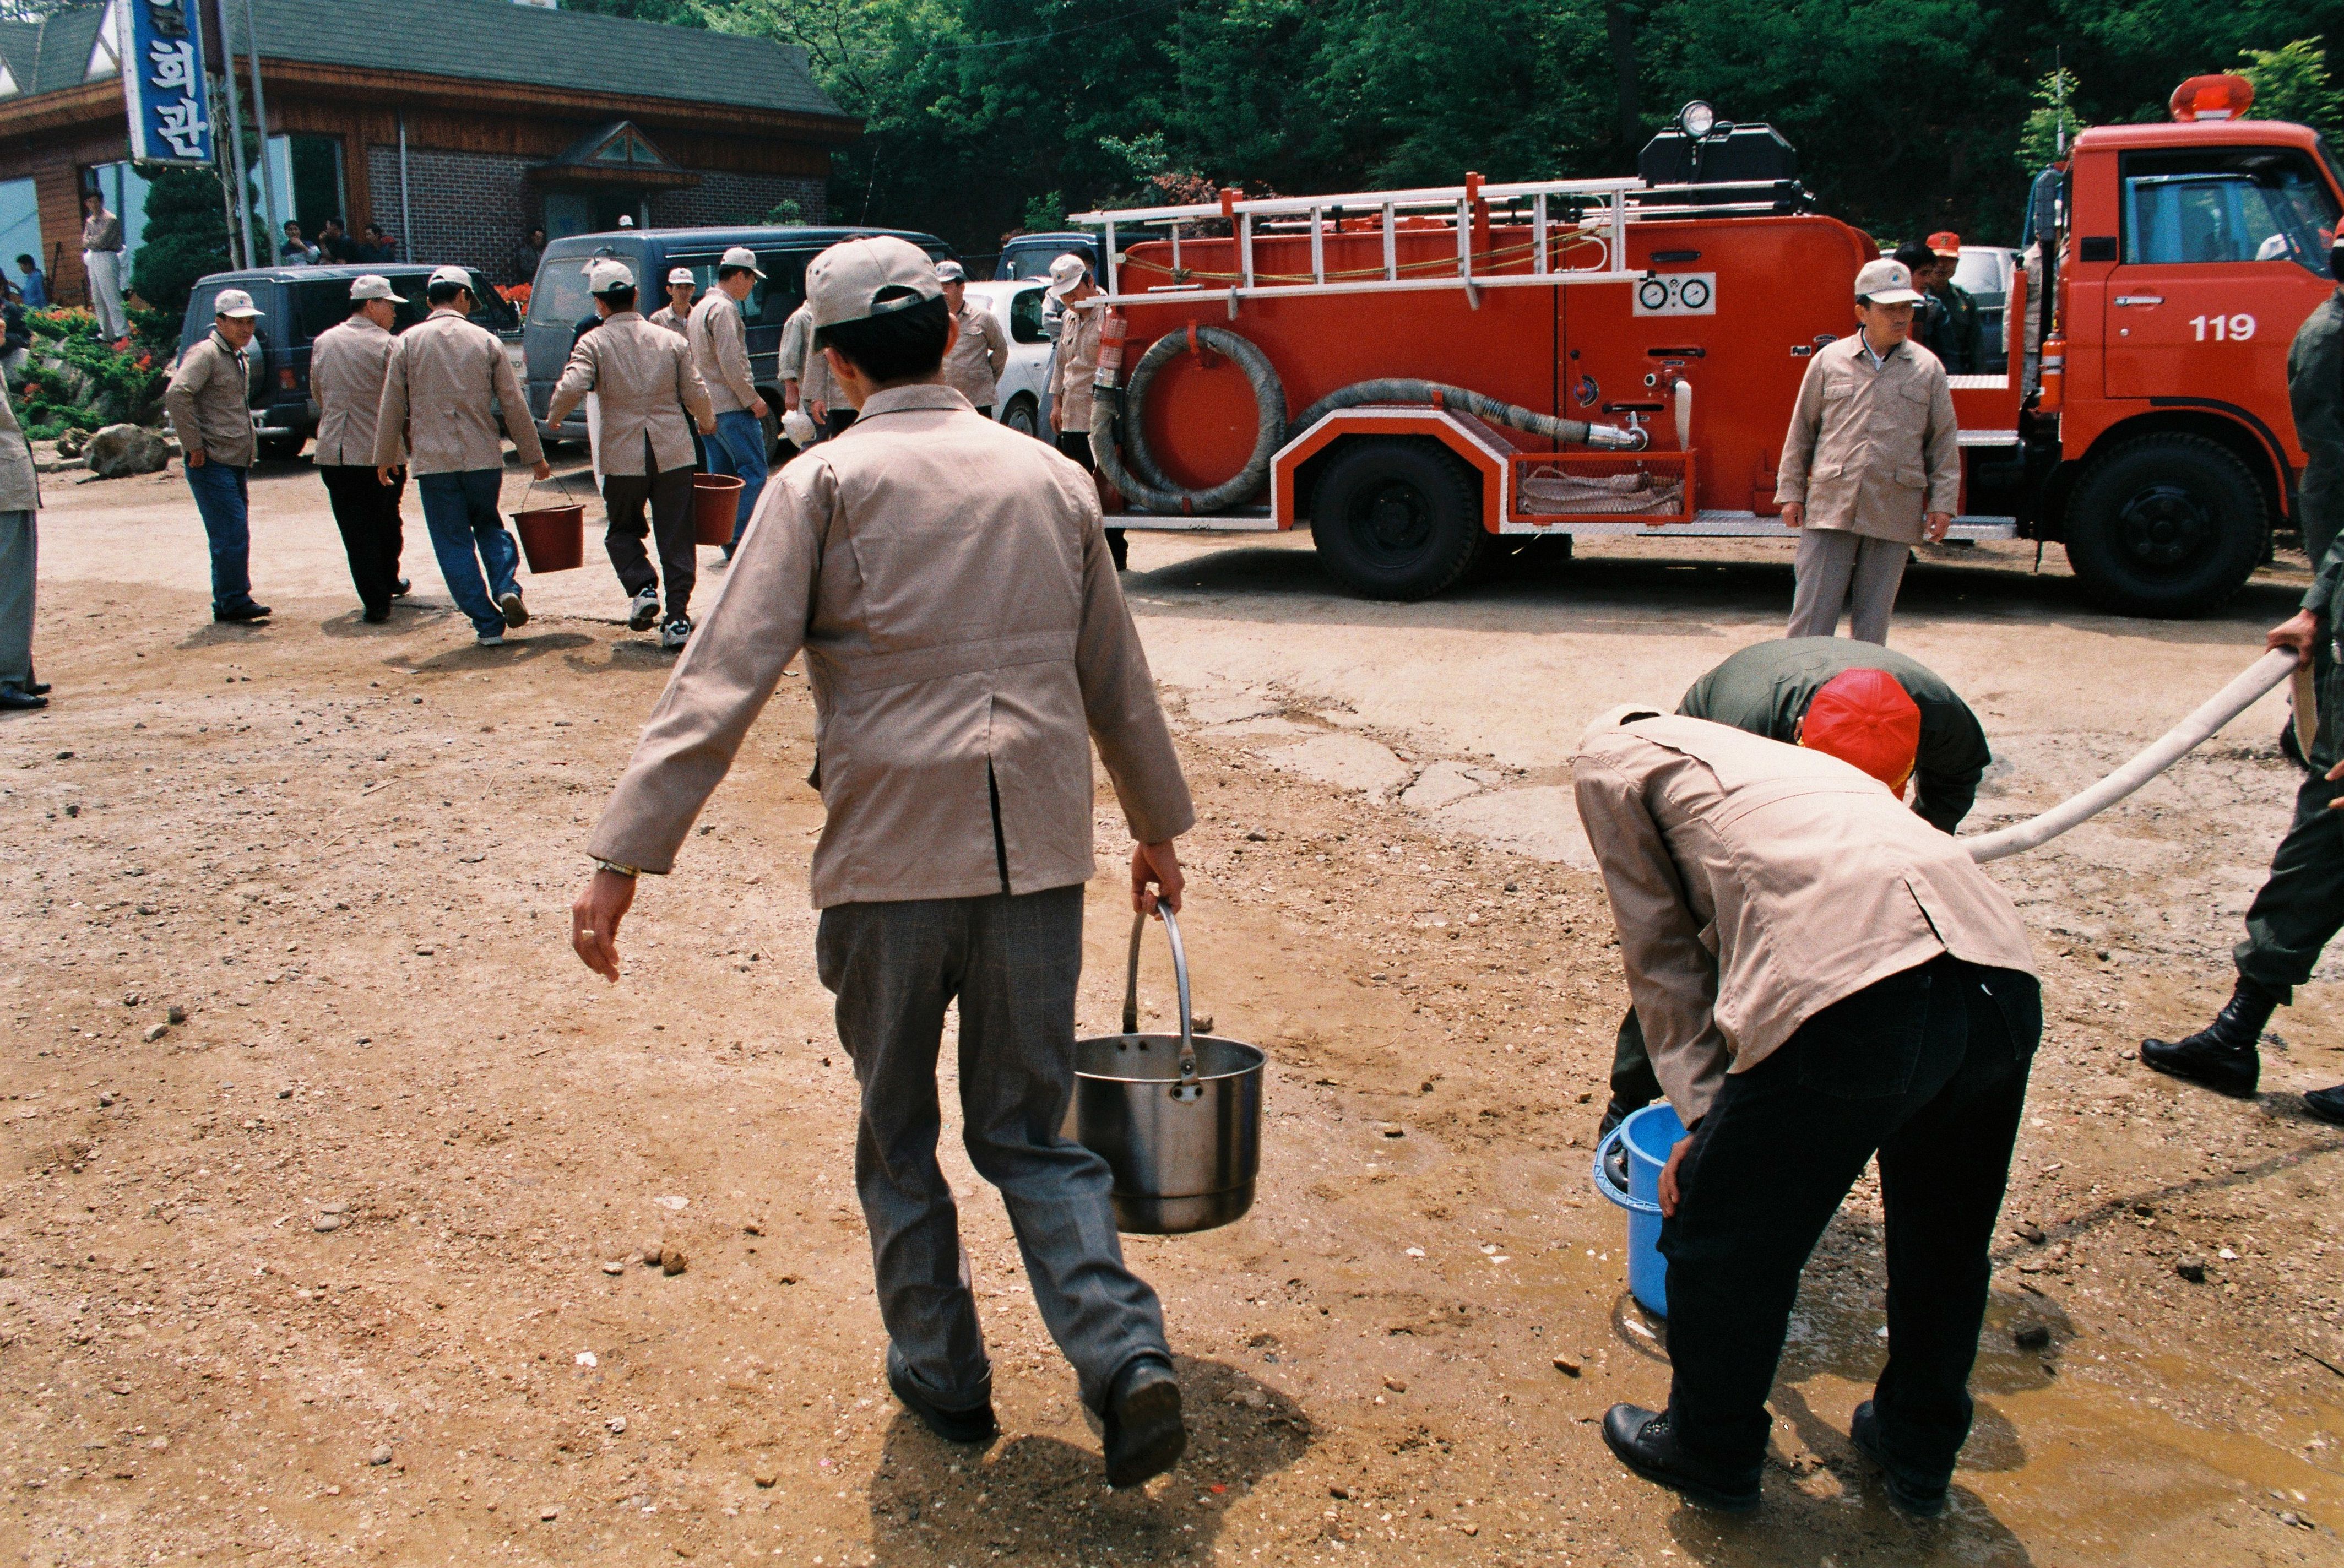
1844,572
19,553
1011,962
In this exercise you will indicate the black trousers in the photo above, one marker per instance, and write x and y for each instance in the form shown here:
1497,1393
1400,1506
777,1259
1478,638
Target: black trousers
366,511
2302,906
1926,1068
670,497
1076,444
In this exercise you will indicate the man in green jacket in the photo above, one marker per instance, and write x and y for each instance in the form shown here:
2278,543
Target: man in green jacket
1766,689
2315,392
2302,905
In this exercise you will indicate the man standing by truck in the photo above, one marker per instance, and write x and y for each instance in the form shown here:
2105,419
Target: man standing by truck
965,641
209,401
1872,463
643,376
2314,394
444,378
1073,364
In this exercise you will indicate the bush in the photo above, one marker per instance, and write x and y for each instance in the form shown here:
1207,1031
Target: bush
186,237
73,380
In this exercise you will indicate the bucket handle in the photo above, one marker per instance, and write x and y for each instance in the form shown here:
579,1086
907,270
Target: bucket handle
1181,981
1606,1187
561,488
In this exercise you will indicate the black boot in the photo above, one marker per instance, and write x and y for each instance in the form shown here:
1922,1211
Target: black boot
2328,1104
1922,1497
1144,1434
2222,1055
1645,1444
973,1425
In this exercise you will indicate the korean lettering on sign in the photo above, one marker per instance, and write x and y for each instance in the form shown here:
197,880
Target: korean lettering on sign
163,81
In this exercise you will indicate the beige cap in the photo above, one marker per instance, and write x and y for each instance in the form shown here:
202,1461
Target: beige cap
742,257
1886,282
607,274
844,282
371,285
950,271
455,274
235,302
1066,273
679,275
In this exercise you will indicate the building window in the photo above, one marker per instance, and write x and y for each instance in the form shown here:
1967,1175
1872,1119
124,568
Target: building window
306,171
20,228
123,190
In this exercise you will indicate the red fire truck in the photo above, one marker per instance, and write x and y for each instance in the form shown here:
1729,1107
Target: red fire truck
1419,375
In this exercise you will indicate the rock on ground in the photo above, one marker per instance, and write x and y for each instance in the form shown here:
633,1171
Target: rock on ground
119,450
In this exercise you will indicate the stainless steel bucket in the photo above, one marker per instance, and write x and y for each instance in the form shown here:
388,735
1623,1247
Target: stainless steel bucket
1177,1118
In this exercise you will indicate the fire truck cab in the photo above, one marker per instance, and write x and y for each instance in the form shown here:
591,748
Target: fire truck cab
2158,446
1418,375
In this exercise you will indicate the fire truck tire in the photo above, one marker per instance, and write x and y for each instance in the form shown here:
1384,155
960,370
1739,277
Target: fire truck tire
1395,519
2166,525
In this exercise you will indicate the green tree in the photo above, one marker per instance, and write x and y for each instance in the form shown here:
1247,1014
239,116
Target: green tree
2051,126
2292,84
187,237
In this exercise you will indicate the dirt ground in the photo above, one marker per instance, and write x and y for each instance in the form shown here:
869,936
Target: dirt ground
325,1162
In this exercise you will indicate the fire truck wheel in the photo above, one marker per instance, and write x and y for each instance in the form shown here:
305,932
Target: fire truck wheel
1395,519
2166,525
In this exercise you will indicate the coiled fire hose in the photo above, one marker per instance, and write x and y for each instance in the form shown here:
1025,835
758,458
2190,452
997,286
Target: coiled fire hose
2169,748
1120,449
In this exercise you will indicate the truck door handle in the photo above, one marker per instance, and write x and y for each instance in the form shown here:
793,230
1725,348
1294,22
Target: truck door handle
2140,298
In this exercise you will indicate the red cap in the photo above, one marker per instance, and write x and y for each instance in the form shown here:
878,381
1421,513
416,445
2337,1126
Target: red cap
1865,718
1947,243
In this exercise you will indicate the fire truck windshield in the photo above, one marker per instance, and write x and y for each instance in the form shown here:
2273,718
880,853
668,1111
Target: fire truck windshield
2228,203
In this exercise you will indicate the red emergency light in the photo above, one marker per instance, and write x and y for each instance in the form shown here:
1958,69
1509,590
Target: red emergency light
2219,97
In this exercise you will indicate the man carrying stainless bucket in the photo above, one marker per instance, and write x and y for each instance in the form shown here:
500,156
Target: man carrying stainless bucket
966,639
649,388
1823,976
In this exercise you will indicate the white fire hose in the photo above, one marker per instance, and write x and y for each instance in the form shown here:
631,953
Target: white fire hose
2176,743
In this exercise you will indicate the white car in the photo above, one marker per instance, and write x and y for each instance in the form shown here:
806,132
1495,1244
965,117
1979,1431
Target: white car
1022,397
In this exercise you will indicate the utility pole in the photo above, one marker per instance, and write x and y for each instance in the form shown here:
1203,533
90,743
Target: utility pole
242,223
261,114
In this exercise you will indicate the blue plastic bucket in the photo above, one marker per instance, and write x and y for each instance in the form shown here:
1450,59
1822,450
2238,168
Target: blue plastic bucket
1647,1135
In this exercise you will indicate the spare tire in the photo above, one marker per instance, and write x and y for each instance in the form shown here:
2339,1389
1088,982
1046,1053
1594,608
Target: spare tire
1397,519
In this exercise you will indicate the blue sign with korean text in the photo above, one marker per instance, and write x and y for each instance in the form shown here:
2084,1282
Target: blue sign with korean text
163,81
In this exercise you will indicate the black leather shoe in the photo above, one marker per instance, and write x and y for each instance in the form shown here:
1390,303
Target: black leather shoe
16,700
2328,1104
1922,1499
1144,1432
399,590
1643,1442
2222,1055
1615,1113
974,1424
38,688
247,611
377,617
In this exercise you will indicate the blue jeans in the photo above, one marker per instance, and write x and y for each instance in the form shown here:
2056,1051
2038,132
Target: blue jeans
738,446
460,510
220,499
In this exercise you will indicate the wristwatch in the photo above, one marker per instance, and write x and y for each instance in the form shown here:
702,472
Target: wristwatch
612,865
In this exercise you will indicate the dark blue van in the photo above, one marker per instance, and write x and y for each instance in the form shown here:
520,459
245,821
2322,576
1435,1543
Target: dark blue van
558,299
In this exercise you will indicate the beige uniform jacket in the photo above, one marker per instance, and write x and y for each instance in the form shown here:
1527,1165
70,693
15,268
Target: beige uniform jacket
973,368
1871,451
797,343
950,583
1075,363
648,389
102,232
209,401
665,316
1754,884
347,365
20,482
719,352
438,388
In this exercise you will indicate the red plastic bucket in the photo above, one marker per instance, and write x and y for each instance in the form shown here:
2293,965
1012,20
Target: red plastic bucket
552,538
715,503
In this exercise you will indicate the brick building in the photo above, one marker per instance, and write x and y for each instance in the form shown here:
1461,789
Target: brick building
456,124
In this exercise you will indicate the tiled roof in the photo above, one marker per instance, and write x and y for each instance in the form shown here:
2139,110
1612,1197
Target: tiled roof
472,40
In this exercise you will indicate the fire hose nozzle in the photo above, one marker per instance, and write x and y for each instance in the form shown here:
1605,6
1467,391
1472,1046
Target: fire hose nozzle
1616,439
